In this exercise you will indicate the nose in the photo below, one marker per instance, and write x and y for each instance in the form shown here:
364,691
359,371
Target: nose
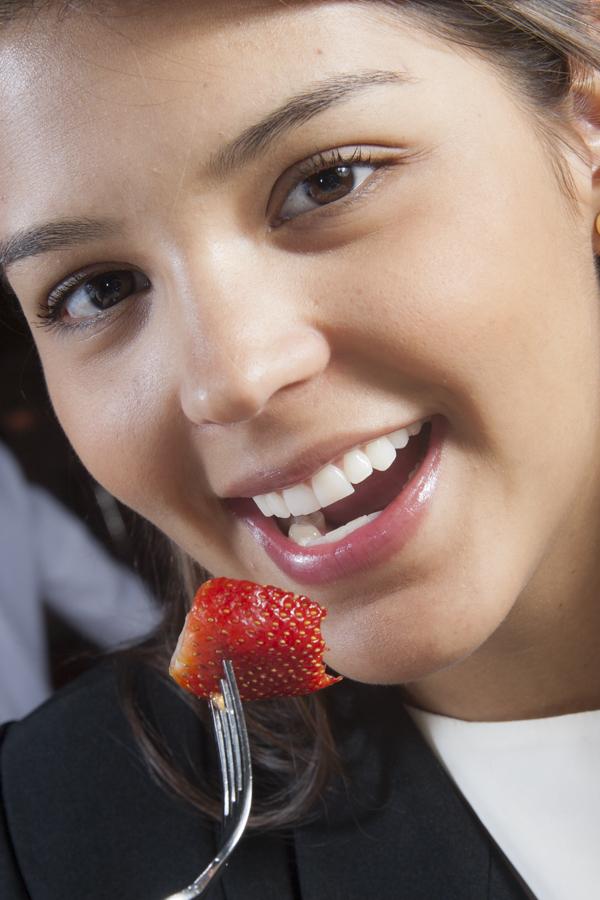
244,345
243,371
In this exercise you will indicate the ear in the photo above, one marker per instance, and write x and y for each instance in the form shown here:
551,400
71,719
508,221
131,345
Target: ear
587,122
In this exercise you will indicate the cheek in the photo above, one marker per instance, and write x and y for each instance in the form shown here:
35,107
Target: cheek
464,305
124,420
465,296
121,419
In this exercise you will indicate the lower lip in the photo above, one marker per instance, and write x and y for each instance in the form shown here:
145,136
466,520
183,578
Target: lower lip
374,543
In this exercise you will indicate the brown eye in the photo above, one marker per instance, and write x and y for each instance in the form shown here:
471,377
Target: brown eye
101,292
324,187
330,184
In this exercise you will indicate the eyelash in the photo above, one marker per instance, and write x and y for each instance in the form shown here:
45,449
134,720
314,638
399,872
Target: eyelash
330,159
49,312
321,162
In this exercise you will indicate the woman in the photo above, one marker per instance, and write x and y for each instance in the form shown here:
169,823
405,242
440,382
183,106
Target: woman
260,237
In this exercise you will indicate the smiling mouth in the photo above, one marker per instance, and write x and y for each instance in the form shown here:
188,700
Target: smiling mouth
349,493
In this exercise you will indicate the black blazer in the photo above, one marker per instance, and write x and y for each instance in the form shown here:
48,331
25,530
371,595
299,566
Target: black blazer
83,820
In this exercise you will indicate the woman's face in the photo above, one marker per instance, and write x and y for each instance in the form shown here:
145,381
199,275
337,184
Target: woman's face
267,319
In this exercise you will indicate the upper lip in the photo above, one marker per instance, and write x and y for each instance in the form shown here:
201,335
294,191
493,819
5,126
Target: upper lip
304,464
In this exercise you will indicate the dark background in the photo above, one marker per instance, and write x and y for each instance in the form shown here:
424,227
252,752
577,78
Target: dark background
28,427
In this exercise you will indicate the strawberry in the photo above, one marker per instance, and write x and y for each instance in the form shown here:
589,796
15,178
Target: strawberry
272,636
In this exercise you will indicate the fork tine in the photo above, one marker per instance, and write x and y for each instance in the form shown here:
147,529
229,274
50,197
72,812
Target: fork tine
234,730
236,779
217,713
236,771
229,798
241,731
241,772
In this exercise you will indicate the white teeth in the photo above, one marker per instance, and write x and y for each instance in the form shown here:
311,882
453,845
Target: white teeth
338,533
334,482
264,505
400,438
278,505
316,519
356,466
302,534
331,485
304,528
300,500
381,453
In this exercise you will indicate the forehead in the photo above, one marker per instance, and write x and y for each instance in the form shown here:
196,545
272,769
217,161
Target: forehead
102,107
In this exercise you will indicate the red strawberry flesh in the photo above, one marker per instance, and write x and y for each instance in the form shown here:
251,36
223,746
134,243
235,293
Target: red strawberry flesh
272,636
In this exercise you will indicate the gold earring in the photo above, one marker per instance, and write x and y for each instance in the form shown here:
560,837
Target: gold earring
598,224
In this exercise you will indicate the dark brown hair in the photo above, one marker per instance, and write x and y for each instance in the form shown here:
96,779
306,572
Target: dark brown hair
545,50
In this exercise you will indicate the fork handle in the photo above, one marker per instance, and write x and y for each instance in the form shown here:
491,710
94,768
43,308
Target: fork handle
201,883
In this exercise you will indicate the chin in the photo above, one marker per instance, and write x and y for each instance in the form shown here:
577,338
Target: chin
386,643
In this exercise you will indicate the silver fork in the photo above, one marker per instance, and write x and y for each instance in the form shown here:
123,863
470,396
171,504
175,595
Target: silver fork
236,773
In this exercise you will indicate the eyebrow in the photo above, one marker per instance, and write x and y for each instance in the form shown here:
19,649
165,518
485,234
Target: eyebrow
254,140
296,111
53,236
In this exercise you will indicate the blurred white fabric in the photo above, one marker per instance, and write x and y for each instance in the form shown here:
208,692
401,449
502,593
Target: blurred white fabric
48,555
